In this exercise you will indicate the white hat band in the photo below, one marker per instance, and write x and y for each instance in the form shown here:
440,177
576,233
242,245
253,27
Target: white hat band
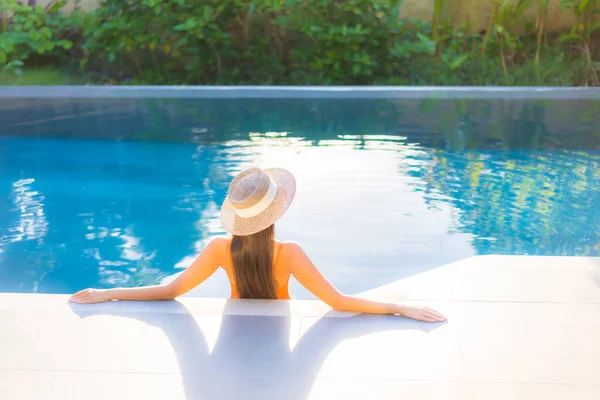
262,204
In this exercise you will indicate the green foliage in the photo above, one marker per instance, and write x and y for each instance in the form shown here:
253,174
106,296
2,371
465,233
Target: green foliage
582,34
512,40
27,31
168,40
555,69
266,41
299,42
349,40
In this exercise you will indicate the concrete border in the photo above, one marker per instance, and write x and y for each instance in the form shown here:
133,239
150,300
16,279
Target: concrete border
519,327
333,92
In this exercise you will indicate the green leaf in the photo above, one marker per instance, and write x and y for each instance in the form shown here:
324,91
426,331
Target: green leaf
583,5
458,61
7,46
2,57
207,13
594,27
429,44
571,36
67,44
46,32
112,56
521,7
565,4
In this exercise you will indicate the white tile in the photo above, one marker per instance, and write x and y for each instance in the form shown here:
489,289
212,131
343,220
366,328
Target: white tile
190,344
530,342
501,278
65,341
379,347
150,387
528,279
360,389
197,387
35,301
432,285
49,385
512,391
172,343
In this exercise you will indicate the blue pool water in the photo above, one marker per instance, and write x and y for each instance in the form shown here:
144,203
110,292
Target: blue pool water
104,193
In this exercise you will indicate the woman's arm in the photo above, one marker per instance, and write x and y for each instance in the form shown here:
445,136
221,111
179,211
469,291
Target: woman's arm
302,268
201,269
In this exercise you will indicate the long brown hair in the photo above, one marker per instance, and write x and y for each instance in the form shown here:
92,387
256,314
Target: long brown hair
252,258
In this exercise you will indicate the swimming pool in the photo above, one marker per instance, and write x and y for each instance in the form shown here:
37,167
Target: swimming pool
107,192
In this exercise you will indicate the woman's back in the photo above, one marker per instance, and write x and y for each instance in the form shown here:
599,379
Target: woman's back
281,273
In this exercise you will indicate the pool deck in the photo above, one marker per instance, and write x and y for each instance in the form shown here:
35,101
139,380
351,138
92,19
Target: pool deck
519,328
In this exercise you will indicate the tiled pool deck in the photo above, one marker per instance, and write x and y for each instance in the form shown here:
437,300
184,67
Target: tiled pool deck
518,328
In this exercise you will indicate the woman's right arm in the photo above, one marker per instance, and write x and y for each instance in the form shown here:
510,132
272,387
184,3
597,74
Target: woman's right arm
302,268
201,269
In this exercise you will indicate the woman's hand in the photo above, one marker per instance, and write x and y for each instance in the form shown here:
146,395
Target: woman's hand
421,314
90,296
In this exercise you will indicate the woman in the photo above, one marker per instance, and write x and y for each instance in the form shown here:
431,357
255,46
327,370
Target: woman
257,265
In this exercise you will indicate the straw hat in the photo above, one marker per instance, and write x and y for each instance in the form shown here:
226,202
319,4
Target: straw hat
256,199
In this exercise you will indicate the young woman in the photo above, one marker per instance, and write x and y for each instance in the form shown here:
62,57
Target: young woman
258,266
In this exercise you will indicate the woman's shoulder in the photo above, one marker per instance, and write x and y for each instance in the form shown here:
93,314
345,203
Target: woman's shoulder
218,244
290,248
219,241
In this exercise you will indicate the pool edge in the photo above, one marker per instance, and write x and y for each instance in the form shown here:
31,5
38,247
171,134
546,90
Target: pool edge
323,92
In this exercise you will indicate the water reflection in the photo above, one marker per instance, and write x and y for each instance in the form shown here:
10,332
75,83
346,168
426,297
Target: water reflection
28,204
534,202
440,123
386,188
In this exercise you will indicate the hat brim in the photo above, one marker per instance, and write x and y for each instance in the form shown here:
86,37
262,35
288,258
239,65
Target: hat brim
286,190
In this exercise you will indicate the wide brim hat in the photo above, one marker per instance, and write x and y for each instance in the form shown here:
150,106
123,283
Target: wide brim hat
256,199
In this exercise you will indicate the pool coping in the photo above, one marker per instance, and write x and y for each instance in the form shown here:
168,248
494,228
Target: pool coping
291,92
518,327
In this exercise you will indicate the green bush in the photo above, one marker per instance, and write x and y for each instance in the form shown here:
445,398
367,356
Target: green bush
28,31
265,41
161,41
351,41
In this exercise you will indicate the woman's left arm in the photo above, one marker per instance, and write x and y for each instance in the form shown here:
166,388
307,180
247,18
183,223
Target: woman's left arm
201,269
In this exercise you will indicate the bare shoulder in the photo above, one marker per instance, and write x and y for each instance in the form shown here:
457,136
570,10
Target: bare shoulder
292,249
218,245
220,241
290,246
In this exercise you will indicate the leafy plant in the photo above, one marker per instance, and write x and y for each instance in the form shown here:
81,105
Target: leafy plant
505,17
586,12
347,41
269,41
30,30
179,41
540,20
